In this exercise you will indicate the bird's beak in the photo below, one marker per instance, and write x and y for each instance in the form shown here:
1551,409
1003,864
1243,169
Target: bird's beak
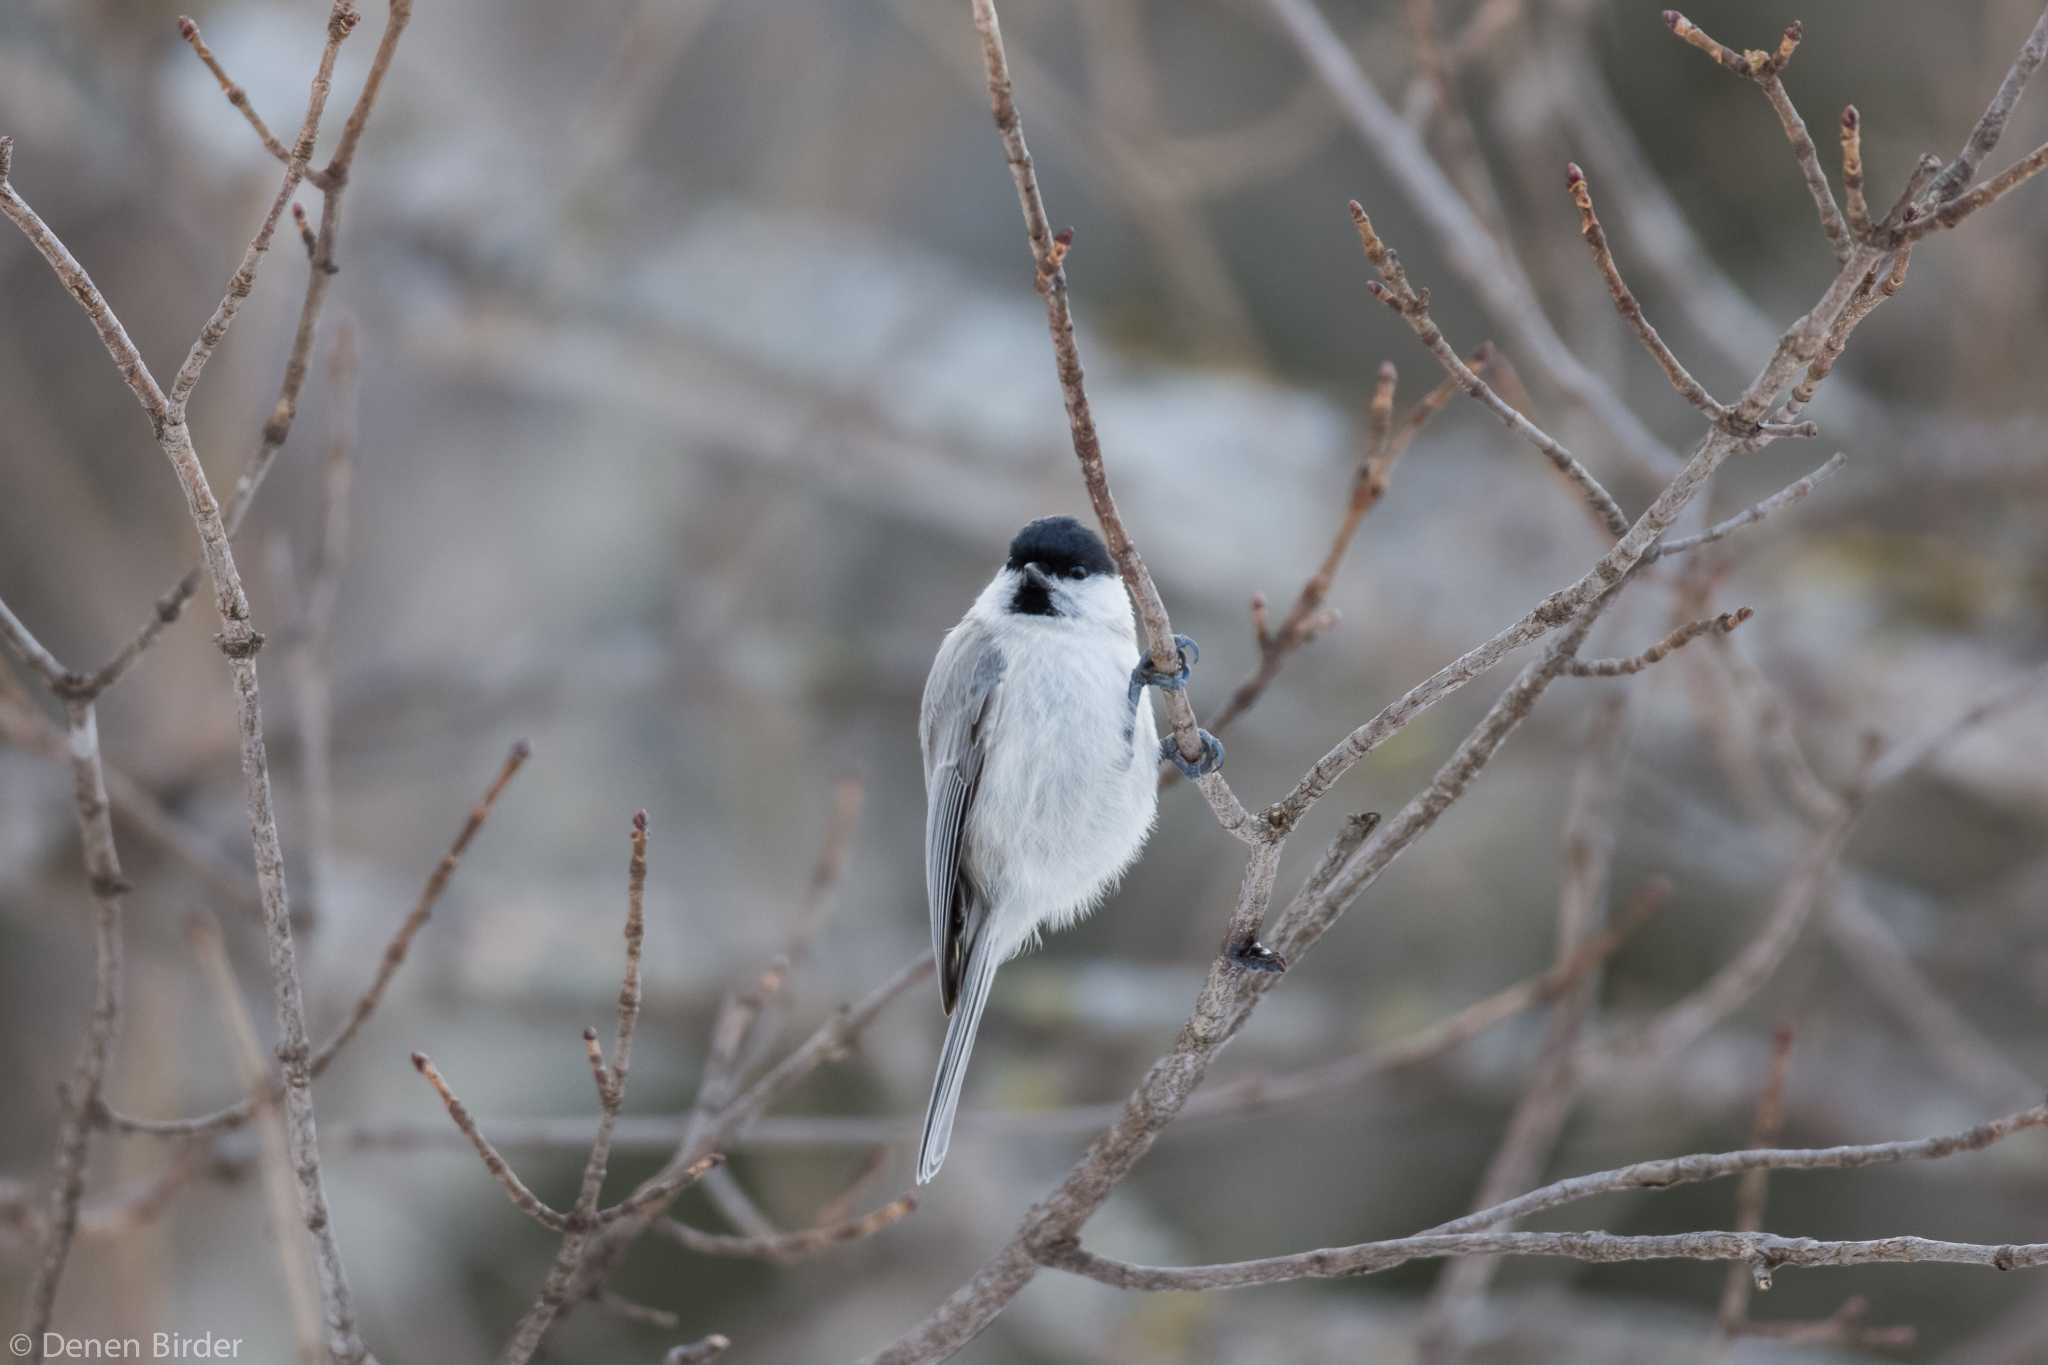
1037,578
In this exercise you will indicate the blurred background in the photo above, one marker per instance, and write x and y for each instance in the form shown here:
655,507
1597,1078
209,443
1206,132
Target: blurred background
701,386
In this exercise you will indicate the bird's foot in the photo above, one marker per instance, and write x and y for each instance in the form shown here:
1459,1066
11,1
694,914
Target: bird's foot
1144,675
1209,762
1255,956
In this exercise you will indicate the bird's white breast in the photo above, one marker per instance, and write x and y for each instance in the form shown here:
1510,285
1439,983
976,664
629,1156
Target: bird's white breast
1070,786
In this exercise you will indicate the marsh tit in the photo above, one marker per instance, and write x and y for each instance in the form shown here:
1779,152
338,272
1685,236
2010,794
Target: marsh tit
1040,770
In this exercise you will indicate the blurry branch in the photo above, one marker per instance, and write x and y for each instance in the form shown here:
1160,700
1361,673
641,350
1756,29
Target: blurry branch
1843,1327
1752,1190
234,1115
1539,1116
1875,954
1684,1022
2028,686
1307,619
789,1247
278,1192
749,1021
309,645
108,887
1488,269
1412,305
1422,101
1460,140
138,808
1857,208
697,1154
1749,516
1723,624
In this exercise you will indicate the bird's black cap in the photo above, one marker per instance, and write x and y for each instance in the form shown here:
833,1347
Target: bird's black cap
1060,545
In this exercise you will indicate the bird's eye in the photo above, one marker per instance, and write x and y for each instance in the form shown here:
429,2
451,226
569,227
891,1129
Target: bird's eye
1077,572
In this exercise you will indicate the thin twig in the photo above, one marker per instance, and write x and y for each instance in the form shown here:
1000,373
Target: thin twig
309,651
555,1292
1765,68
1990,125
1048,256
1756,512
1857,208
103,875
1307,619
523,1199
1493,274
1724,624
234,1115
236,96
1412,305
789,1247
1690,389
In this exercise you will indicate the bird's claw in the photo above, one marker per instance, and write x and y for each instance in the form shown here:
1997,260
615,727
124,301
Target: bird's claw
1144,675
1209,762
1255,956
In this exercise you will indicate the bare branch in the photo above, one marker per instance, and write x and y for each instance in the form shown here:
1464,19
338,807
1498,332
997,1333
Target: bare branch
1858,209
581,1225
1370,1258
1307,619
1690,389
1990,125
1413,306
1756,512
1687,1170
1725,624
103,875
234,1115
789,1247
1764,68
1493,274
134,372
237,96
1980,195
523,1199
1048,254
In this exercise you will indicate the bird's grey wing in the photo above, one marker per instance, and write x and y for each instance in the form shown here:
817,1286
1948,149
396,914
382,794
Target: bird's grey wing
954,730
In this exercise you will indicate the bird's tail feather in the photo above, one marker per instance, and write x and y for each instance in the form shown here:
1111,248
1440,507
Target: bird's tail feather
982,962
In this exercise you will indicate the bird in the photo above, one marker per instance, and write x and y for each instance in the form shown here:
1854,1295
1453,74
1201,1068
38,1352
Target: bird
1041,774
